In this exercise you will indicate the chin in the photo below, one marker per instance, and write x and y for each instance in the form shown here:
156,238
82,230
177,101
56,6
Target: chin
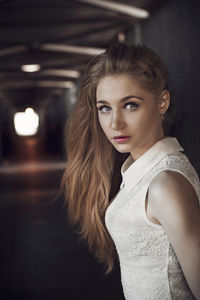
123,149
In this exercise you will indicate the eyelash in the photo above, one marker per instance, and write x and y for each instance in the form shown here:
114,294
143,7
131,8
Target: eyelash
100,108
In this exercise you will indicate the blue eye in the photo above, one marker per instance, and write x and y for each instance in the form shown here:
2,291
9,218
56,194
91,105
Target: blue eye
104,108
131,105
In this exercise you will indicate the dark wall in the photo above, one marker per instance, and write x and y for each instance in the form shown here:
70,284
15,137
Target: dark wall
56,116
173,32
6,131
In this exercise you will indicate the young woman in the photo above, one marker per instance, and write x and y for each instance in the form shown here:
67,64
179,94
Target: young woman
147,215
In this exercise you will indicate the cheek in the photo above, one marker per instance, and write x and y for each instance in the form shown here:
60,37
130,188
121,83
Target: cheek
145,119
103,123
151,120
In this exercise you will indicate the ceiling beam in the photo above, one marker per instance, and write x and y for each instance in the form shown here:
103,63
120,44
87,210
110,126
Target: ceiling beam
13,50
18,84
71,20
84,32
46,72
60,73
91,51
129,10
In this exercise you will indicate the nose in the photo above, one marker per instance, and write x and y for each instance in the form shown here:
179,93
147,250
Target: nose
117,121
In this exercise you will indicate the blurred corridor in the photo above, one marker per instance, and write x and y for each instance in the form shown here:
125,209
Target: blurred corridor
44,49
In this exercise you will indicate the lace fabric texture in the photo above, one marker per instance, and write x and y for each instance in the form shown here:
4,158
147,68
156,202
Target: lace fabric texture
149,267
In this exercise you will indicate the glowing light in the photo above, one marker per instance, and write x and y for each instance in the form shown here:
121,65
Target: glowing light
26,123
30,68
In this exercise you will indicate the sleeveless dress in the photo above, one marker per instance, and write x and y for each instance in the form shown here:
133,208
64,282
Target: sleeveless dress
149,267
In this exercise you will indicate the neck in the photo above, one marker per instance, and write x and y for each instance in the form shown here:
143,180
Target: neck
140,151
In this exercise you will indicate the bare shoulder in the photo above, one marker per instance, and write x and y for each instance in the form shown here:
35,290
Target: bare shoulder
175,205
170,193
171,183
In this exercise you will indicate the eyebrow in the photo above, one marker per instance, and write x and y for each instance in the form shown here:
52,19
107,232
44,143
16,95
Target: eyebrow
123,99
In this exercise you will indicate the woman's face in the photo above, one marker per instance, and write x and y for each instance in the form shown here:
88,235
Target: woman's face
128,114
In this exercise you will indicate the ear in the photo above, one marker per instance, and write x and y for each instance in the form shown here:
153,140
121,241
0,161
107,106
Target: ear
164,101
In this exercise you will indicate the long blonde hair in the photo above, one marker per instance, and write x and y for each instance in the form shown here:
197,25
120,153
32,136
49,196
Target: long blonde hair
92,176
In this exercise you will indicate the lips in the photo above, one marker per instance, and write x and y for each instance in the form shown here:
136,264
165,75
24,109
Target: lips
121,138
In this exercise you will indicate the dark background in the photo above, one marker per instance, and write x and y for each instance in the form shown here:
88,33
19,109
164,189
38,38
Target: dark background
40,255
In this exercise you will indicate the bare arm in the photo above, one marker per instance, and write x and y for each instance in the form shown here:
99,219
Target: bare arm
174,204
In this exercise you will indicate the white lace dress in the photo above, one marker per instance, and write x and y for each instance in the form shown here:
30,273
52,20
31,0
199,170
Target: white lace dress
149,266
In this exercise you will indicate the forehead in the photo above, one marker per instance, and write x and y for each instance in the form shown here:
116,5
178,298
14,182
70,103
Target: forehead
118,86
